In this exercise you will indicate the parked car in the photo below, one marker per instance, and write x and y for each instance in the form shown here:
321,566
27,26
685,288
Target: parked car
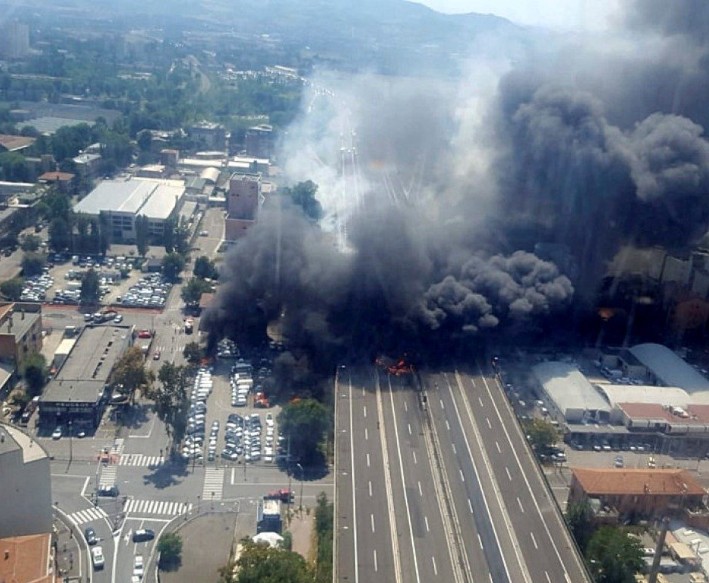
57,433
90,535
138,566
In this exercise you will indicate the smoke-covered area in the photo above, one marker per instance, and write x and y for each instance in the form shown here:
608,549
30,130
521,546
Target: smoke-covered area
483,205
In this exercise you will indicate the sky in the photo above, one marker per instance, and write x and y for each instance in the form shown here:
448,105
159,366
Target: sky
588,15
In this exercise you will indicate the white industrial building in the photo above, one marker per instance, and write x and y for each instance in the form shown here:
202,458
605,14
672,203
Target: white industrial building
664,396
121,201
666,368
569,394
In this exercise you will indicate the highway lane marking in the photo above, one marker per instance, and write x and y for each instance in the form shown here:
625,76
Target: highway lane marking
448,425
442,405
354,495
370,488
364,408
371,517
414,454
481,402
462,477
233,470
509,476
497,445
547,574
489,425
366,434
425,519
420,490
480,541
409,424
520,505
376,566
453,447
534,540
470,505
406,407
435,568
367,460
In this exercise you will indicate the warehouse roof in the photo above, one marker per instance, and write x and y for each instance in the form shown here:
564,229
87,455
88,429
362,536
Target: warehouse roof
645,394
569,388
155,199
669,368
624,481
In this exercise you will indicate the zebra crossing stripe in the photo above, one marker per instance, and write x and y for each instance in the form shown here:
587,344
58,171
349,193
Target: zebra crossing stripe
139,459
157,507
87,515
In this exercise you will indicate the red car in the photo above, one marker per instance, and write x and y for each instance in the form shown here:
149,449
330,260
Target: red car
145,334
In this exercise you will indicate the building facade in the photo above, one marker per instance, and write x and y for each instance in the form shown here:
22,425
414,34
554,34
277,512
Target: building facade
20,332
243,201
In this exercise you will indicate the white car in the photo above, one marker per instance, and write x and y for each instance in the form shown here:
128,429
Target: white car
138,566
269,420
97,558
57,433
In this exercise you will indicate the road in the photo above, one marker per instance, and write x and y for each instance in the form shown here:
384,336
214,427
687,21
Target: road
447,489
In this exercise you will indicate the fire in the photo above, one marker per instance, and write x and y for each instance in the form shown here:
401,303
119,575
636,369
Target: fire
394,367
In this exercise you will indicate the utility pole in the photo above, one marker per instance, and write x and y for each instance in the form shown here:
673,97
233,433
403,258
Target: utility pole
302,477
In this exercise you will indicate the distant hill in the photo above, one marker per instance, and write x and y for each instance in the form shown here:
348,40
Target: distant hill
385,35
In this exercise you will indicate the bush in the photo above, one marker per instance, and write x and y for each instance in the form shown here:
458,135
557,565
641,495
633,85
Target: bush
170,549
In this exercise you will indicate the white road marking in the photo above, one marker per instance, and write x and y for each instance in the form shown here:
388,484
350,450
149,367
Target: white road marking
366,434
481,401
534,540
425,519
470,505
509,476
367,460
454,450
409,424
548,578
406,407
233,470
497,445
462,477
489,425
365,410
480,541
376,568
448,425
420,490
435,568
413,453
442,405
521,508
354,497
370,488
371,516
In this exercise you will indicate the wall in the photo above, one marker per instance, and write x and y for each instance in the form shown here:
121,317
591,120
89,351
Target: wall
26,500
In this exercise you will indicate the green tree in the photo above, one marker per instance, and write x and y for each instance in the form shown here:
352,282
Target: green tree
614,557
170,549
172,266
130,371
33,264
30,243
192,352
59,234
192,291
541,434
579,518
324,530
204,268
303,195
182,237
34,371
11,289
171,400
168,237
304,423
142,234
261,563
90,288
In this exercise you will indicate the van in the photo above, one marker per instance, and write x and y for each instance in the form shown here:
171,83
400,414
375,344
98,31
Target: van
97,558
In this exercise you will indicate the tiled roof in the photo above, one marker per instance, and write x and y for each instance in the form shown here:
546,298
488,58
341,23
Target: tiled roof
612,481
27,559
56,176
15,143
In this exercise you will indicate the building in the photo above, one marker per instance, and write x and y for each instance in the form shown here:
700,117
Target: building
88,165
28,559
120,202
169,158
259,141
268,516
9,143
25,483
570,396
64,181
78,393
666,368
243,202
637,493
20,332
14,40
208,136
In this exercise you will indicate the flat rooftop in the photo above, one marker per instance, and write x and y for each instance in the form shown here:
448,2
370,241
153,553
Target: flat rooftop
19,323
14,439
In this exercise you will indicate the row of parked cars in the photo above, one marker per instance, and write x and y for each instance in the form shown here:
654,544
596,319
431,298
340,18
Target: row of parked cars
243,437
194,440
35,288
150,291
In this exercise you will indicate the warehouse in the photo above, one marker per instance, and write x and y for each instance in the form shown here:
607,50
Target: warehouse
665,367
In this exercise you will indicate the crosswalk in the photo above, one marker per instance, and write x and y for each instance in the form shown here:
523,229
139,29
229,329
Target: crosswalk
213,484
118,445
88,515
152,507
108,476
138,459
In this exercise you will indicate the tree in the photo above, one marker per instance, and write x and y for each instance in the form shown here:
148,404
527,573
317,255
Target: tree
614,557
192,291
303,195
579,518
182,237
34,371
324,513
11,289
30,243
168,236
59,234
541,434
172,266
130,372
33,264
204,268
192,352
142,234
170,549
304,423
261,563
171,400
90,288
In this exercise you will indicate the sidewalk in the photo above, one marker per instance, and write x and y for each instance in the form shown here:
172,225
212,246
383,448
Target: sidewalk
70,560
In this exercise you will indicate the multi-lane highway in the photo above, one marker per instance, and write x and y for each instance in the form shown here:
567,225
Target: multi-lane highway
443,489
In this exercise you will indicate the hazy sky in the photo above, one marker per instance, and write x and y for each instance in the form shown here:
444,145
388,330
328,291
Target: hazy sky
573,14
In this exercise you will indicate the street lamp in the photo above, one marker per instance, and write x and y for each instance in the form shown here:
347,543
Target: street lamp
71,443
302,477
